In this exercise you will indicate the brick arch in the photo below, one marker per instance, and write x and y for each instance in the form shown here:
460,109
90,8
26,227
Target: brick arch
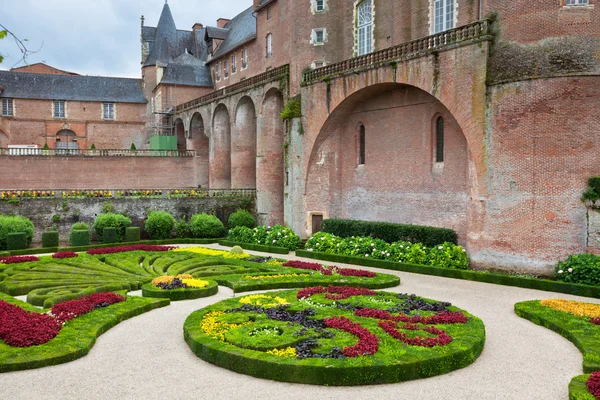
399,167
243,145
220,148
199,142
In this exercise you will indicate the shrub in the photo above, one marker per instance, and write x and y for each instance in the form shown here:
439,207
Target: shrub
159,225
390,232
579,268
50,239
236,250
242,234
109,235
16,241
593,191
132,234
276,236
13,224
182,229
117,221
446,255
206,226
241,218
79,238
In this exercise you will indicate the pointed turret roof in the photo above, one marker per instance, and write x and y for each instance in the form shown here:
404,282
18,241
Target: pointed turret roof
165,42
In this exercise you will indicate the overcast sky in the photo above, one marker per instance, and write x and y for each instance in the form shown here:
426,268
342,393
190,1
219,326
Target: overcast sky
97,37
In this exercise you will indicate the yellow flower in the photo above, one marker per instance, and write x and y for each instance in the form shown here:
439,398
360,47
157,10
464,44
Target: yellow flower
257,277
573,307
262,300
288,352
217,329
197,283
162,279
212,253
184,276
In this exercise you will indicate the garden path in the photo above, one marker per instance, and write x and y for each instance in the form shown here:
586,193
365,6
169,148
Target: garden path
147,358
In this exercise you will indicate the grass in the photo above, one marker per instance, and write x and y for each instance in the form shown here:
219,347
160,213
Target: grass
393,362
578,389
76,338
584,335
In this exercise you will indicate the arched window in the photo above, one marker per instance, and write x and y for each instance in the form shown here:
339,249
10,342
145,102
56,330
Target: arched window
364,28
269,45
439,140
361,145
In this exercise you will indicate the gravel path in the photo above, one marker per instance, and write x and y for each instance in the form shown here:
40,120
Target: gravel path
147,358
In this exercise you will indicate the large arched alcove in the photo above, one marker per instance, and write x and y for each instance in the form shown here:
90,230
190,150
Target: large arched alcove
220,149
199,142
270,160
243,146
376,158
66,139
180,133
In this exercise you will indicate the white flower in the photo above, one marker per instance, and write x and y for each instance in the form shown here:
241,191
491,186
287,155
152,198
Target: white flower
338,245
388,254
356,246
441,248
274,241
366,255
259,241
560,271
383,252
279,234
464,251
401,246
322,238
372,244
269,227
570,270
309,249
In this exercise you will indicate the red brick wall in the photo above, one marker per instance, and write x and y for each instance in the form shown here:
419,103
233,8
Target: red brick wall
399,182
97,173
41,68
33,123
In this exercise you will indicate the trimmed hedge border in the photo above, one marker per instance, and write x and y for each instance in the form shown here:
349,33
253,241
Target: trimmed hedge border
255,247
78,249
76,338
148,290
315,371
584,335
578,389
477,276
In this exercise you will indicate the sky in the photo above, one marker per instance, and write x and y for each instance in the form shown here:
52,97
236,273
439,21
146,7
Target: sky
97,37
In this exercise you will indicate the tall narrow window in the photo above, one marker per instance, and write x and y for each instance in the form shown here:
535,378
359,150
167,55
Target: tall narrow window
361,145
218,72
439,140
108,111
226,69
269,45
59,109
233,63
244,58
320,5
7,108
443,15
364,35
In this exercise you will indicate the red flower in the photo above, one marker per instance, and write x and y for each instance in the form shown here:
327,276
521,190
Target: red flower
593,384
18,259
137,247
595,321
441,338
20,328
335,292
367,342
70,309
64,254
329,270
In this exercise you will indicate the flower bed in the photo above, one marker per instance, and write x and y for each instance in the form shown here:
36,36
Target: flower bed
579,388
181,287
64,254
579,329
124,249
75,338
26,194
325,270
18,259
335,336
446,255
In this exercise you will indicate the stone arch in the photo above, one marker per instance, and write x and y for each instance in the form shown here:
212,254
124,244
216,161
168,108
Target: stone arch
66,139
220,149
199,142
243,146
270,159
398,182
180,134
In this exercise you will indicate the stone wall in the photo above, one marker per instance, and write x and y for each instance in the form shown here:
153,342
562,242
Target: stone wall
43,211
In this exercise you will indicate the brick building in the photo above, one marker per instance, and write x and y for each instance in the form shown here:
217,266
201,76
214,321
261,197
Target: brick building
478,115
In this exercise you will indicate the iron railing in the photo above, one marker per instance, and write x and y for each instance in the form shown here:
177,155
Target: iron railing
415,48
265,77
97,153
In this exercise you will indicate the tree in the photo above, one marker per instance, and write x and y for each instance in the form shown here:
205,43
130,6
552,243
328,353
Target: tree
21,44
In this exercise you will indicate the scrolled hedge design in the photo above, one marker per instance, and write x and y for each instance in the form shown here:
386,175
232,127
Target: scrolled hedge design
334,336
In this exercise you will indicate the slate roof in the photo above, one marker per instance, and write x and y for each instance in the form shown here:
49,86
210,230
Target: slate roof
187,70
22,85
241,29
212,32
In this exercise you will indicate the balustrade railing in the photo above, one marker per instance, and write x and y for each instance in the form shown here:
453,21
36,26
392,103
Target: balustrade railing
438,41
97,153
268,76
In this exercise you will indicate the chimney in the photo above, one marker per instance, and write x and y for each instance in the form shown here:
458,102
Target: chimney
221,22
197,26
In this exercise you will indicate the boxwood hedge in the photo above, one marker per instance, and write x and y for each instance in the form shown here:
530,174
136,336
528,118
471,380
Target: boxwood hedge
148,290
